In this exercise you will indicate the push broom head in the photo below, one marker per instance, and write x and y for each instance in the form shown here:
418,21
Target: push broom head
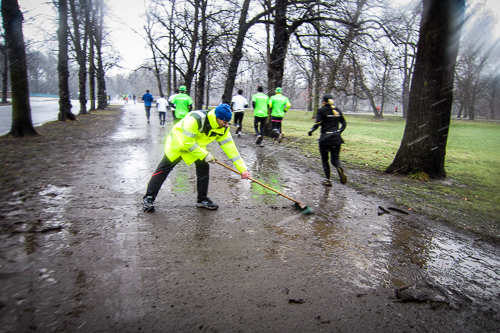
303,208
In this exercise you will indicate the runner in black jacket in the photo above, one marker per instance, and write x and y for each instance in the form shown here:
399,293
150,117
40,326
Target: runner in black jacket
330,140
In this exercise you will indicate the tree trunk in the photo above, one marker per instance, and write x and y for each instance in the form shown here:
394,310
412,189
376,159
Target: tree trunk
317,74
102,101
81,54
202,73
423,148
62,65
190,73
278,54
280,46
5,73
22,124
236,55
92,70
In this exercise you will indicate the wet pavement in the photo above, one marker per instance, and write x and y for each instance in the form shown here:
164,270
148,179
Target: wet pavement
97,263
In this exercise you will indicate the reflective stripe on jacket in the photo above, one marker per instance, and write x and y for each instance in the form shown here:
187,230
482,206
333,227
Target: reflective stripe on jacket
190,137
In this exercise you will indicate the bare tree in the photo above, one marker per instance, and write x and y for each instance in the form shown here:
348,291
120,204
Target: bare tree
62,65
352,24
79,36
423,148
474,58
22,124
406,36
99,38
4,69
237,52
492,96
91,63
149,29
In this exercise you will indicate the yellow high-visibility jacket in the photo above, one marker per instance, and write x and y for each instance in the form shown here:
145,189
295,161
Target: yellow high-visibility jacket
190,137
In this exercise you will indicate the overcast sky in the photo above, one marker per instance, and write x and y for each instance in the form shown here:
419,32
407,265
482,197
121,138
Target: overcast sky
128,16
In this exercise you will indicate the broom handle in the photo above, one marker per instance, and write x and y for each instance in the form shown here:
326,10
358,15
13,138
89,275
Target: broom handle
256,181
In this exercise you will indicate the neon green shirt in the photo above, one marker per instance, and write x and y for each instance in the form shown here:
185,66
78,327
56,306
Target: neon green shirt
182,102
279,104
261,108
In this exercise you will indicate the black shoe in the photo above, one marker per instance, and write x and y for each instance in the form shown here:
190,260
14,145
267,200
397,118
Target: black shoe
259,140
343,177
207,203
238,129
148,204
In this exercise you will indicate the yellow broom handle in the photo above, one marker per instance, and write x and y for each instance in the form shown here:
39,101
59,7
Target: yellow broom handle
256,181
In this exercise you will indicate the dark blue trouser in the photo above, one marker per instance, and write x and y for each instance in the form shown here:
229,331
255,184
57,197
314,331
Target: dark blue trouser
162,115
262,122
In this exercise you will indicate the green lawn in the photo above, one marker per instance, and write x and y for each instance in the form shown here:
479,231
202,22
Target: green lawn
469,197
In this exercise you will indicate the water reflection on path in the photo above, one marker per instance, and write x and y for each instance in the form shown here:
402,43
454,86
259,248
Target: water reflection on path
344,238
360,246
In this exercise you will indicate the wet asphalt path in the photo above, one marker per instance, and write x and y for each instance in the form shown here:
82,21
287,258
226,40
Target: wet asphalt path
254,265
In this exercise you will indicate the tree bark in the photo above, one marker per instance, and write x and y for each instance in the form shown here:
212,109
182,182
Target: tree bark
81,52
92,70
62,65
5,72
236,55
202,73
102,101
22,124
423,148
280,46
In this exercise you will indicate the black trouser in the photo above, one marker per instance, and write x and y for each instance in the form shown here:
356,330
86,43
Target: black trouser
148,109
262,122
163,170
333,150
238,118
162,117
276,122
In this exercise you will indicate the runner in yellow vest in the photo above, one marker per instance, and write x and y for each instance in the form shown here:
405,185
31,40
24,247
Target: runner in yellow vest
279,105
188,141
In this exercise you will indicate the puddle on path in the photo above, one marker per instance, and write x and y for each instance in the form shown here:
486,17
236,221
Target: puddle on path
393,250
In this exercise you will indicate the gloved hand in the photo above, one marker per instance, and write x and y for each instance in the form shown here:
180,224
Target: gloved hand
310,133
210,158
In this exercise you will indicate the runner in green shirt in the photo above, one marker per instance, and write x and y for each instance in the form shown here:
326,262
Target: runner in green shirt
259,103
183,104
279,105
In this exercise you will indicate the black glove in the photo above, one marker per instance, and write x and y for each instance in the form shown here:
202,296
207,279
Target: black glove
310,133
